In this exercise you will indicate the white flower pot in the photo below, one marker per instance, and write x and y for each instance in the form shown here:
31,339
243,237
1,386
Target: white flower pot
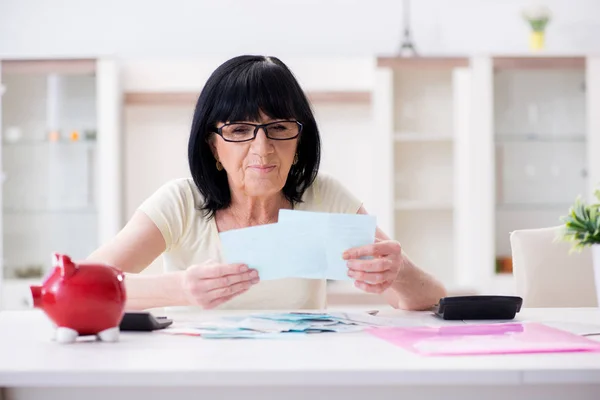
596,263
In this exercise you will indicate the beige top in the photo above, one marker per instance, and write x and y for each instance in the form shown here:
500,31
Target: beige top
194,239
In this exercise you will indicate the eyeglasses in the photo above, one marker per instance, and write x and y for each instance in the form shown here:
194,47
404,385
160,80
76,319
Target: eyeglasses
244,132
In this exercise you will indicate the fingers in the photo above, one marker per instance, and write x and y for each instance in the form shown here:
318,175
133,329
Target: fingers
219,270
372,277
227,280
378,249
220,296
217,302
371,265
198,295
376,288
204,287
232,290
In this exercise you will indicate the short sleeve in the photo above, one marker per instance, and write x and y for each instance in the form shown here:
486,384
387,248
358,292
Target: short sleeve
330,195
168,208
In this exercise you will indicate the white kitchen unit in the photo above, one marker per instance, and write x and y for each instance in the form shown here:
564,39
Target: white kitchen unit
60,160
471,149
534,121
420,105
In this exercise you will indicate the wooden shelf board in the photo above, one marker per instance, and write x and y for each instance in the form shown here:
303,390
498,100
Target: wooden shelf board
533,207
422,62
339,97
190,98
59,66
161,98
507,63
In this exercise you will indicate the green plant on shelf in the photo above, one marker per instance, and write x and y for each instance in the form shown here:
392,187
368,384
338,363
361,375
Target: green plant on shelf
582,225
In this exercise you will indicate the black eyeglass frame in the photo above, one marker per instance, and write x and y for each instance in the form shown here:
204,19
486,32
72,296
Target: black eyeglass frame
219,131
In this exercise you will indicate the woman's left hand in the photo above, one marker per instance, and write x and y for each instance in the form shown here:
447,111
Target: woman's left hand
378,273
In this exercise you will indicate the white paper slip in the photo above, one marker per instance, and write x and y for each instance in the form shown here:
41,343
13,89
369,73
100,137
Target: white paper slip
276,251
336,232
301,245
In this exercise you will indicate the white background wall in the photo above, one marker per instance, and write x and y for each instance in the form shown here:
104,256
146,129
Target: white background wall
291,29
183,28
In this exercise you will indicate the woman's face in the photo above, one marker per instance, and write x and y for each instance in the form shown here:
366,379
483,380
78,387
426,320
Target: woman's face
256,168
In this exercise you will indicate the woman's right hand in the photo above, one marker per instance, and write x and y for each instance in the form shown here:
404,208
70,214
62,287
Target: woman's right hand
211,284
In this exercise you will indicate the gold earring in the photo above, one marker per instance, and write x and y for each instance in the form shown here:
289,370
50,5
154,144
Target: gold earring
219,166
295,159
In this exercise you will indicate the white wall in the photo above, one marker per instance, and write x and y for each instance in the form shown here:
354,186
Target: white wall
155,152
184,28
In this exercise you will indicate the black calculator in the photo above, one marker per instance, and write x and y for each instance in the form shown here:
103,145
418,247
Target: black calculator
143,321
478,307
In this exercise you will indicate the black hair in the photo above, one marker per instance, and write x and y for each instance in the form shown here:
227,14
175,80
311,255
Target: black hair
238,90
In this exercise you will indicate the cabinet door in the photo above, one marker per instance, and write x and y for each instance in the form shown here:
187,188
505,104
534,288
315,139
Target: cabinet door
2,90
49,154
541,145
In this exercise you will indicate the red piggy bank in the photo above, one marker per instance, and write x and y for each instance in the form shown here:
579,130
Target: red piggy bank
82,299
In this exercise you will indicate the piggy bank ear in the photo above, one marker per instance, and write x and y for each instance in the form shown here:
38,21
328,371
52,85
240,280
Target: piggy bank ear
67,267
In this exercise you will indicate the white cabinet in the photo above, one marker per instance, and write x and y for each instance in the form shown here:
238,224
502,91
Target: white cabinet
545,145
472,149
418,104
60,158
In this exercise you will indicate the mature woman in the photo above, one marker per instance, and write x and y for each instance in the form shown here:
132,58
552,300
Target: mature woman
254,149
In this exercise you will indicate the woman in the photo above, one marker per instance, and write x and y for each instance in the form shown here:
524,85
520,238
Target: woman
254,149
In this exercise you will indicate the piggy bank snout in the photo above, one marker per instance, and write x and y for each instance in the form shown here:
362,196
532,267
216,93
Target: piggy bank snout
36,294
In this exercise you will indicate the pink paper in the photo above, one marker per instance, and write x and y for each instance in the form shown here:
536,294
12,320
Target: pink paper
510,338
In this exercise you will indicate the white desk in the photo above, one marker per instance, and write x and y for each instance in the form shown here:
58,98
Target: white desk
321,366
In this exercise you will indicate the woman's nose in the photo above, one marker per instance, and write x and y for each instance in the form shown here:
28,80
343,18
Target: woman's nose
261,143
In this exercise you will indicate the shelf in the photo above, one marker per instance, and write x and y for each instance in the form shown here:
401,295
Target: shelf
161,98
408,205
60,66
539,63
47,143
22,281
190,98
534,207
422,62
363,97
421,137
524,138
48,211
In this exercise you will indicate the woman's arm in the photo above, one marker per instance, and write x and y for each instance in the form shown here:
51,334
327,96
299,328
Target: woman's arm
132,250
413,288
205,285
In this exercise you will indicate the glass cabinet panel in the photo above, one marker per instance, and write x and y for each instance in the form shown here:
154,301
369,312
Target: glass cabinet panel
540,140
48,161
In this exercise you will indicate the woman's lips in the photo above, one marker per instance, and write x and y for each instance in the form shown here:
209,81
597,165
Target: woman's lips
262,168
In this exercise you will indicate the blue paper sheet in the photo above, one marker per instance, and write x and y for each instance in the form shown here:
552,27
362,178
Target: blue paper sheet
276,251
301,245
338,233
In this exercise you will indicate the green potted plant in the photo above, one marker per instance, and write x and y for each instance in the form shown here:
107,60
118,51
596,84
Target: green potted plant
538,18
582,228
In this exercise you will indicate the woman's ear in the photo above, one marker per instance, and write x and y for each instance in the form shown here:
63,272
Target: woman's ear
213,148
